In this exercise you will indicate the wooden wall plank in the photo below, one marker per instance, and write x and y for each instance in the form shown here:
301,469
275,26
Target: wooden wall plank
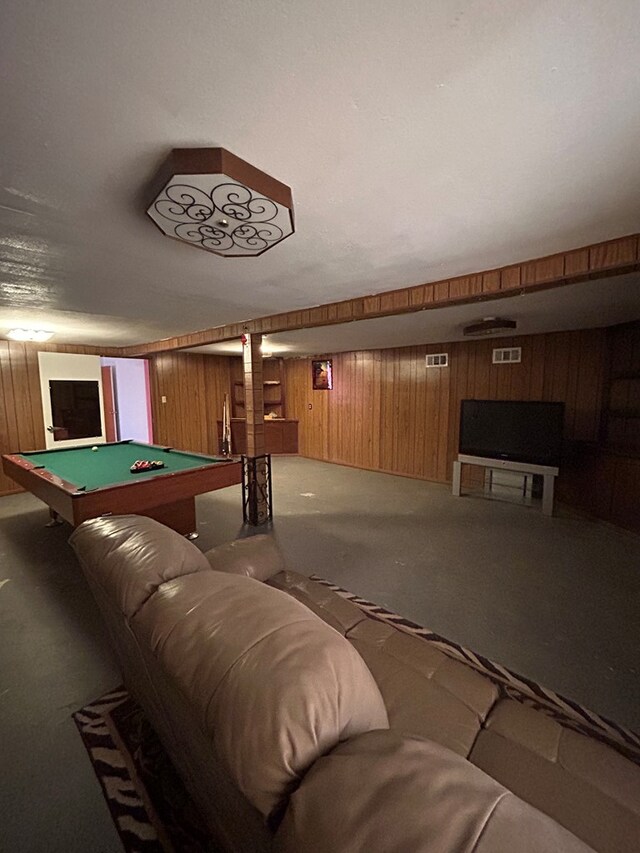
6,402
22,396
13,432
510,278
576,263
194,386
441,291
391,413
621,419
546,269
443,471
613,253
457,383
491,281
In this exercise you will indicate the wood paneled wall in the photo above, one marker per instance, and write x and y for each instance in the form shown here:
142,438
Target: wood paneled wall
388,412
605,480
21,422
621,421
194,386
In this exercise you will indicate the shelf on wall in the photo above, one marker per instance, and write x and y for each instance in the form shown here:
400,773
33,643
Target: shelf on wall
273,391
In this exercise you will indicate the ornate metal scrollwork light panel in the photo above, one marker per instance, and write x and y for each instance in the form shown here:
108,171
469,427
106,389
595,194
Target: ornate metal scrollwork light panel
215,201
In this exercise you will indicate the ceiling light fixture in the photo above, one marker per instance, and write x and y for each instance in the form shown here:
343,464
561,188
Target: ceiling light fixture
38,335
265,348
211,199
489,326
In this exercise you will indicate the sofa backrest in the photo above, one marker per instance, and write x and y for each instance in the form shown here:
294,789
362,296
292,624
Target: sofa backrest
272,687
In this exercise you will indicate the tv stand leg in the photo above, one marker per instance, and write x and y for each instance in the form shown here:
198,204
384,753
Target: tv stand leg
457,474
547,495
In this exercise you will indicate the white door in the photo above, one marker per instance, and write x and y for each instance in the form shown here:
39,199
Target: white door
72,400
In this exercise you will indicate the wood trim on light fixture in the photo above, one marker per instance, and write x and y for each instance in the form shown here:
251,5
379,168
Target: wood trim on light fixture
204,161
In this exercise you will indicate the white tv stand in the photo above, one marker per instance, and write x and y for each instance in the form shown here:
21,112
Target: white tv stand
548,473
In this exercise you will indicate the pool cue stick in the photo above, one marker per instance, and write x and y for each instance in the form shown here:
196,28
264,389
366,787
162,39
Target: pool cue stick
226,427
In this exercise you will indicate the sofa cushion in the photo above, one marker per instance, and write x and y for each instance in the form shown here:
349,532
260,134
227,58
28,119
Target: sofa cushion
585,785
129,556
330,607
426,692
272,686
256,557
383,791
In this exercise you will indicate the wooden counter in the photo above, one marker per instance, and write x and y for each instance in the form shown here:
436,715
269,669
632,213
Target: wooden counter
280,435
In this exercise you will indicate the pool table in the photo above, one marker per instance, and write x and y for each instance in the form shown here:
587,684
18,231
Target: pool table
80,483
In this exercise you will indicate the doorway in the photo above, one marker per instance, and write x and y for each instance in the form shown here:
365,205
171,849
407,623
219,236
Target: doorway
87,399
127,399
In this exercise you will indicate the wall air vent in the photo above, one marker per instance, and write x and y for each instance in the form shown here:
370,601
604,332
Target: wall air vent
507,355
440,359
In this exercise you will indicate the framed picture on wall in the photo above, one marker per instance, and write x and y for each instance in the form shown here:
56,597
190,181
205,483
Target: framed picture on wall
322,375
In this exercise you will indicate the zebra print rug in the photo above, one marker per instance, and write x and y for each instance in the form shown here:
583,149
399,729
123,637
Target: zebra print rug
148,803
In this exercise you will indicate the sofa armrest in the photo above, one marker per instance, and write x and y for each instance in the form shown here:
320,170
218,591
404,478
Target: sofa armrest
256,557
583,784
383,791
130,556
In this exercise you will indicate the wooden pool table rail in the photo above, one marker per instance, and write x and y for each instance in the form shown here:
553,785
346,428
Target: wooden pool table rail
169,497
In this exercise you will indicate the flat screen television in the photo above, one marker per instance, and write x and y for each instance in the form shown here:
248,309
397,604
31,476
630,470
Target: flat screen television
519,431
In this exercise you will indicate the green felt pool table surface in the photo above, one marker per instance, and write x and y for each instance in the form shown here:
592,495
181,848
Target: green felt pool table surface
110,463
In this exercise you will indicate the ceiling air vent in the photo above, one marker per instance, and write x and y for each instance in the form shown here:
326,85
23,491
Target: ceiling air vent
440,359
507,355
489,326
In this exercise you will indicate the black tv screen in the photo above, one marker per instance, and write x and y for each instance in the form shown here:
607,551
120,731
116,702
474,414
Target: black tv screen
519,431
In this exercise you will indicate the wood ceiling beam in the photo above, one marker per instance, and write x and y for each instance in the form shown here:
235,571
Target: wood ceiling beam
599,260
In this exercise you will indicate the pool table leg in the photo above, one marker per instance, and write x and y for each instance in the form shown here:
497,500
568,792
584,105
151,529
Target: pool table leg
181,516
54,519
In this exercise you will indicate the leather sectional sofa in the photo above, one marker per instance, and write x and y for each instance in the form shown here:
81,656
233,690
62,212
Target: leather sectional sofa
301,723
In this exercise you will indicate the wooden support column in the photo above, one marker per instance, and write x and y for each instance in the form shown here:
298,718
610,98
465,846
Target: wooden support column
257,475
253,394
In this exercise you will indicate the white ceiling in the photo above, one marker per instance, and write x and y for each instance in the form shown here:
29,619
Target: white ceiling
421,140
